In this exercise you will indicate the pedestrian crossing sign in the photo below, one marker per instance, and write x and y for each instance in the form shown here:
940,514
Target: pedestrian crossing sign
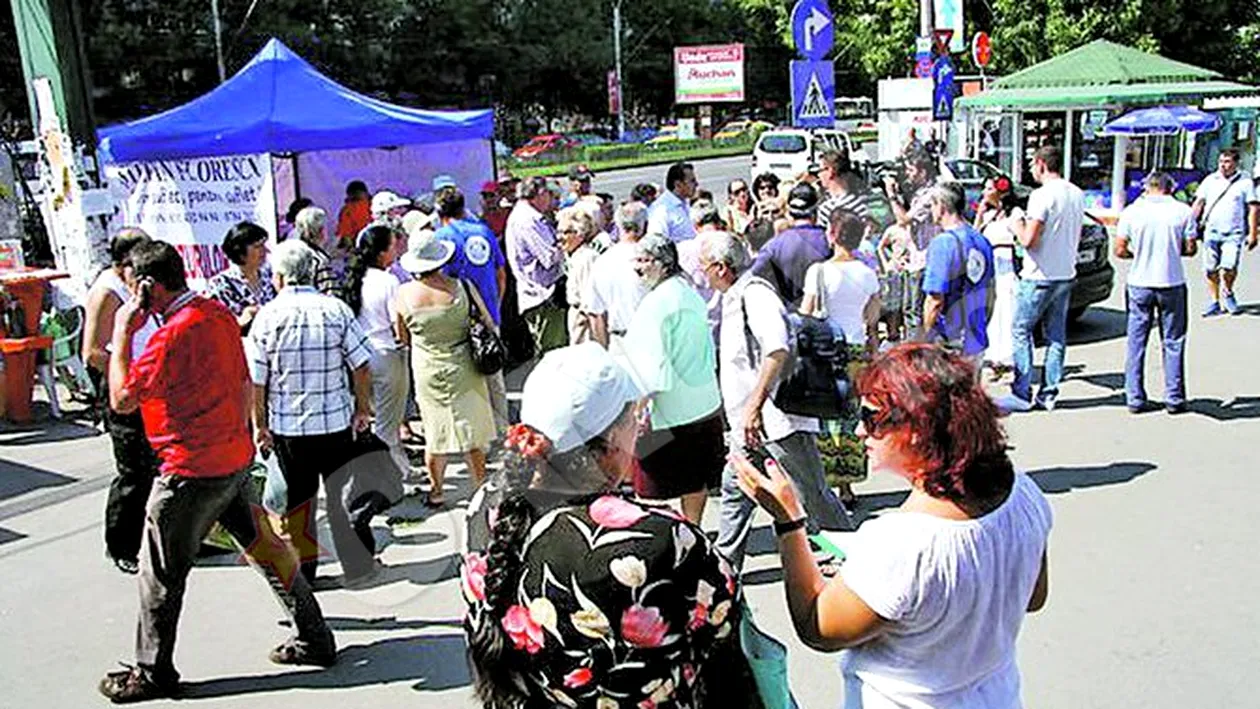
813,94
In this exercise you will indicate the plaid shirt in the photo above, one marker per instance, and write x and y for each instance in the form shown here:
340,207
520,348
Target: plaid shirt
302,344
232,289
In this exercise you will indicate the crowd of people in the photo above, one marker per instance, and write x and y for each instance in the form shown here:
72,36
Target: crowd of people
659,331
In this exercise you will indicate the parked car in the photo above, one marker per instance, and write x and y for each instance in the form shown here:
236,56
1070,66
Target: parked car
1095,276
667,134
787,152
589,139
734,130
545,144
972,174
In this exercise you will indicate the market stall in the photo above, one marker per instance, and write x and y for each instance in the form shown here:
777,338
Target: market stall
277,130
1069,99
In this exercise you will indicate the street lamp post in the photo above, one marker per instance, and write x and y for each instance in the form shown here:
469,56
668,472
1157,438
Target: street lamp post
218,40
621,106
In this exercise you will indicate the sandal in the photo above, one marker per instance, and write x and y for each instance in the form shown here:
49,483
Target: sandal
290,652
432,503
133,684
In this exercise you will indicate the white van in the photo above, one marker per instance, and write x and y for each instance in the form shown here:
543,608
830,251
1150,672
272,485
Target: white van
788,152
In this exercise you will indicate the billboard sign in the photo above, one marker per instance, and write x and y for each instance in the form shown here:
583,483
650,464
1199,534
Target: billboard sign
709,74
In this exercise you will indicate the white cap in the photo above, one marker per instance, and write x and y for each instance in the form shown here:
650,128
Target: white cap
385,200
575,393
443,181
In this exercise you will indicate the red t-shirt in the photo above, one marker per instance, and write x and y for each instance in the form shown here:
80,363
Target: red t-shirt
191,382
355,215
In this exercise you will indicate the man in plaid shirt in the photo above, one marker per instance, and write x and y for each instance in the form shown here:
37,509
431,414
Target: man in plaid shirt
306,408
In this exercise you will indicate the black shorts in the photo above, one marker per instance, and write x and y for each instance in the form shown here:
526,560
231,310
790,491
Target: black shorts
677,461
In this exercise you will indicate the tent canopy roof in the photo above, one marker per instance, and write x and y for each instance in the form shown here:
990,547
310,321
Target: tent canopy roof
280,103
1104,73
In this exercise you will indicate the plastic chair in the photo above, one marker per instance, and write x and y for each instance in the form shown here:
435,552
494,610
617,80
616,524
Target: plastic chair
62,358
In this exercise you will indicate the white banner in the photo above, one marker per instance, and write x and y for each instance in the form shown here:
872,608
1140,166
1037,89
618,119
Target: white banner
191,203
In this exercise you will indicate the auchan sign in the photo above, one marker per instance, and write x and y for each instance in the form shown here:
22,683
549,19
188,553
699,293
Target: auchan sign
709,74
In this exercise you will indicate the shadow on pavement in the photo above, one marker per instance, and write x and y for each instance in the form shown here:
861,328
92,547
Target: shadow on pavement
1098,325
47,432
1242,407
1065,479
1113,381
18,479
8,535
340,623
1091,402
433,662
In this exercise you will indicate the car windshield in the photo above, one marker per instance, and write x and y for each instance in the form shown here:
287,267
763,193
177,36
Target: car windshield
782,143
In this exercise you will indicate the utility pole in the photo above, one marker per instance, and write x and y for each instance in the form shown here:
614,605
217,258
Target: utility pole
925,18
218,40
621,105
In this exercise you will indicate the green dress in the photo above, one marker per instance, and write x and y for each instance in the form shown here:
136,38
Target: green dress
452,395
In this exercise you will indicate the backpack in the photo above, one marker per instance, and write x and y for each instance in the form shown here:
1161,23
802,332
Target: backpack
814,381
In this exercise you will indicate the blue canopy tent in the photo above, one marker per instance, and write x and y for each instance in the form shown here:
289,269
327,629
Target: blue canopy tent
279,103
287,131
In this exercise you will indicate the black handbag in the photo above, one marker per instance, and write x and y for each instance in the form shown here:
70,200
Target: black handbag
488,353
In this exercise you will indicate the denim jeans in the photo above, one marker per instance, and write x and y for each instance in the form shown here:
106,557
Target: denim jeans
1038,302
1169,305
799,459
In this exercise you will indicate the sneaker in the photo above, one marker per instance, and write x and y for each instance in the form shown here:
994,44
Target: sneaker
1213,308
1013,404
1048,402
1231,305
1174,409
1141,408
135,685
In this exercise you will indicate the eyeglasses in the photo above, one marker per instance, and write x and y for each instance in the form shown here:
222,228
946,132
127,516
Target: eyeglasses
740,190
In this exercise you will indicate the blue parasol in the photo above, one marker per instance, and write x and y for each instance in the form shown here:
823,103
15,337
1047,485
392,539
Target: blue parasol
1163,120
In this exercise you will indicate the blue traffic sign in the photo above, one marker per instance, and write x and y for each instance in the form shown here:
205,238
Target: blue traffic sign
813,29
813,94
943,89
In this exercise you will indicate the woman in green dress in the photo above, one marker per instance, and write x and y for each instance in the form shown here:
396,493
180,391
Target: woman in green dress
433,317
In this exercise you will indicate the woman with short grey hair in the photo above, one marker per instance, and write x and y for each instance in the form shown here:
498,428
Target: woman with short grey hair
683,453
577,227
295,263
310,226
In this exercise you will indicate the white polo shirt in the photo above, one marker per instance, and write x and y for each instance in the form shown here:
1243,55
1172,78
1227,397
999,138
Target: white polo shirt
1157,227
1060,206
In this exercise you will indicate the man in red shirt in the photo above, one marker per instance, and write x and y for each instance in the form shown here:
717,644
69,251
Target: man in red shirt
192,389
355,214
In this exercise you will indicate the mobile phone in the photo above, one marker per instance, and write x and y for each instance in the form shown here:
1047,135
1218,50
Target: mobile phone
146,293
758,457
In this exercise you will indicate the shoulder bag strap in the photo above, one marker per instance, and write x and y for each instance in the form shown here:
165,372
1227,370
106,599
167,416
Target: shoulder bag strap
962,300
820,301
1208,212
476,308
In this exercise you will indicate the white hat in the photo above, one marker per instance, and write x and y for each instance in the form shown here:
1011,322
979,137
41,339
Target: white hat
385,200
416,220
575,393
443,181
426,252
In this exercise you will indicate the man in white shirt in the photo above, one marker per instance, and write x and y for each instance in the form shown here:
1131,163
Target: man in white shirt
753,351
670,214
1227,206
614,289
1155,232
1051,235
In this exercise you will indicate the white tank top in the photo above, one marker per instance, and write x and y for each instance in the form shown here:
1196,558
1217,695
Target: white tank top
111,281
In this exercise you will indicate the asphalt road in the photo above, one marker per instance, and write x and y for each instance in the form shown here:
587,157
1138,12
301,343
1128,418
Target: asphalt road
1153,563
714,174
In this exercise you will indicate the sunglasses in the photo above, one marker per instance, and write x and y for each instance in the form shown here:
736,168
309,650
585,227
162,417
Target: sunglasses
873,419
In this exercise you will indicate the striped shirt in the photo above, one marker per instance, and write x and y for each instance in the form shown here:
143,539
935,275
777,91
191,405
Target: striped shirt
855,203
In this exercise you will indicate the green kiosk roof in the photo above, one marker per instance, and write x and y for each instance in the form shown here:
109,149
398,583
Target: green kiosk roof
1103,73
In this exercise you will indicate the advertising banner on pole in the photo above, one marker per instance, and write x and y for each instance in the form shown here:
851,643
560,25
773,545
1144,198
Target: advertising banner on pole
709,74
191,203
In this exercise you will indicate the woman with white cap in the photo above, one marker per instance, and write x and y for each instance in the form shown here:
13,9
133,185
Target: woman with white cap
433,315
577,595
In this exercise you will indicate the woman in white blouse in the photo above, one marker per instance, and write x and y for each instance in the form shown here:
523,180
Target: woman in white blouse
1000,219
370,291
928,605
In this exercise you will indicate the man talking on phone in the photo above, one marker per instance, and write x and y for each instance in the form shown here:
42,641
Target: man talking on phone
193,391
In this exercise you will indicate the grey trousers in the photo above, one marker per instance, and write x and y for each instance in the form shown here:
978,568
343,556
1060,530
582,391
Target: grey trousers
180,513
799,459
